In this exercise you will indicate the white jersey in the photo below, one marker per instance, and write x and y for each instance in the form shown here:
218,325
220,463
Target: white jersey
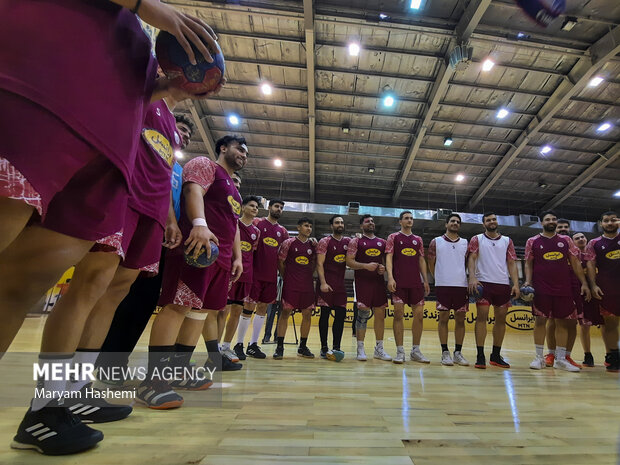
491,265
450,262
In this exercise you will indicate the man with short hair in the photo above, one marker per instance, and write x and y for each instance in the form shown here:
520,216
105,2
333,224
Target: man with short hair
603,254
408,283
366,255
492,265
545,268
297,260
330,290
447,257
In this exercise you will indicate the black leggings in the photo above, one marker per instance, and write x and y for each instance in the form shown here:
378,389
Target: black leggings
337,327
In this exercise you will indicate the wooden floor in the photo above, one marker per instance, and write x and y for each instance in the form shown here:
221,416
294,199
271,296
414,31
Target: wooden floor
319,412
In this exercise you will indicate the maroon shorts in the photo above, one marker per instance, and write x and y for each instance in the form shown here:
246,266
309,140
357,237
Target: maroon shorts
591,313
264,292
371,293
199,288
76,190
554,306
495,294
239,292
610,304
452,298
413,296
330,299
295,300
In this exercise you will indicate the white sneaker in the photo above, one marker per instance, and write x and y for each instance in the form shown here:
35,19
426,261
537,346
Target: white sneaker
460,360
417,356
230,355
381,354
361,354
446,359
565,365
400,357
538,363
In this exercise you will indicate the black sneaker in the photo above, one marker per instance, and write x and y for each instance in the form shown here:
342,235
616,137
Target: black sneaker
193,384
239,351
279,353
481,362
607,361
254,351
588,360
614,363
304,352
324,351
91,409
158,395
498,361
229,365
54,431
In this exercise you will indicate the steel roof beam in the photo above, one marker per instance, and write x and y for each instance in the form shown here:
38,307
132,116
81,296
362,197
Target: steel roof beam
310,77
203,129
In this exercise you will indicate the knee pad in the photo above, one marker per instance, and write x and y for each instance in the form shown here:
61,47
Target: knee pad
363,315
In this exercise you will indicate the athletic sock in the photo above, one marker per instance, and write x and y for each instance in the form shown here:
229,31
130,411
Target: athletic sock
444,347
159,358
53,388
496,351
400,348
81,357
560,353
225,346
415,346
280,342
257,327
379,345
552,351
302,342
480,350
360,344
567,353
182,355
244,323
458,347
540,350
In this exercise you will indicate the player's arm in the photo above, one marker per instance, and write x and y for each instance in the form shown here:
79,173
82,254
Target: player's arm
424,273
281,267
529,271
389,267
282,254
576,264
471,268
597,293
237,263
355,265
200,235
514,276
172,233
432,257
320,269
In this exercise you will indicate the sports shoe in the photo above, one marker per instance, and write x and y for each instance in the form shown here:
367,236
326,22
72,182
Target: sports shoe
323,353
538,363
400,357
480,362
381,354
158,395
446,359
91,409
361,354
614,363
239,351
255,352
459,359
193,384
498,361
304,352
279,353
230,354
417,356
607,363
335,355
54,430
549,359
572,362
563,364
229,365
588,360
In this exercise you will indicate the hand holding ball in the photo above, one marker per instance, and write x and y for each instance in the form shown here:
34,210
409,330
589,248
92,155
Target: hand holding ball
203,261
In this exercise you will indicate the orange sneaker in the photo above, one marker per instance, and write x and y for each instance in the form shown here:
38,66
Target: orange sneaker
549,359
572,362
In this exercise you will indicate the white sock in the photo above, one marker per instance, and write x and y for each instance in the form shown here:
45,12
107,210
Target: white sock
379,345
560,353
360,345
257,327
415,347
400,349
242,327
54,388
567,353
540,349
80,357
225,346
552,351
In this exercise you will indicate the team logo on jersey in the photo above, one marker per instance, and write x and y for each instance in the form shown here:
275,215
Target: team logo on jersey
409,252
553,256
373,252
236,206
302,260
270,241
309,251
253,236
158,142
158,112
340,258
245,246
346,247
560,244
613,254
278,233
177,139
415,242
379,244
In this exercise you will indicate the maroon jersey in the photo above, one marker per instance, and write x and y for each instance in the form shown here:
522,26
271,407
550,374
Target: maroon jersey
605,252
367,250
551,276
335,260
299,259
406,250
222,204
150,185
250,235
266,255
99,71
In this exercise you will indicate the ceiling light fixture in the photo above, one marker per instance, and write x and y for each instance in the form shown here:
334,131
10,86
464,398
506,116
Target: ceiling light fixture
354,49
487,65
447,141
617,194
345,128
277,163
415,4
603,127
371,169
383,16
233,119
388,101
502,113
545,150
569,23
266,88
595,81
460,177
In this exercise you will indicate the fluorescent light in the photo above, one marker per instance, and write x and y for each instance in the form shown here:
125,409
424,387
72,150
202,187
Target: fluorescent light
233,119
388,101
416,4
603,127
487,65
447,141
545,150
383,16
277,163
617,194
354,49
266,88
502,113
179,154
595,81
460,177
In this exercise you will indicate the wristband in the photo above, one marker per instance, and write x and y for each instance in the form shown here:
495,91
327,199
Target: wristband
137,7
199,222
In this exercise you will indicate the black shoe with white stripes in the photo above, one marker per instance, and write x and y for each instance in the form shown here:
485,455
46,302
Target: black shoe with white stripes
92,409
158,395
54,431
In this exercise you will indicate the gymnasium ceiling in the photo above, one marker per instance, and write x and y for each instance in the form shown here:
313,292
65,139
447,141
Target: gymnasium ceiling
541,76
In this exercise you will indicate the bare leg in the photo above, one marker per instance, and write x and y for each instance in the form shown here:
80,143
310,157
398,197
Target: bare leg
499,328
561,332
221,322
611,332
551,342
442,326
417,326
572,335
379,323
167,324
481,324
459,327
306,320
14,215
233,321
585,338
283,323
540,330
399,324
